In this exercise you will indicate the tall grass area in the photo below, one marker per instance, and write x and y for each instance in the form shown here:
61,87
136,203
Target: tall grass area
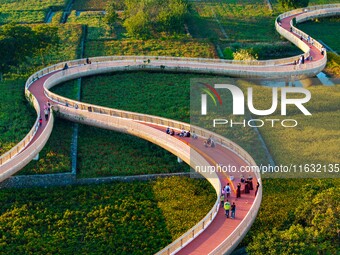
31,4
16,115
117,218
243,21
281,203
90,4
22,17
97,28
161,94
107,153
67,49
316,138
314,141
28,11
326,29
152,47
55,157
333,65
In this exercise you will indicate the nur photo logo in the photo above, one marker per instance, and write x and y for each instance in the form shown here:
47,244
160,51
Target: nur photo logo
241,101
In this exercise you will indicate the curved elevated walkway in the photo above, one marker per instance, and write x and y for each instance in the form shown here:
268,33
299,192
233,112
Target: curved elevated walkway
216,235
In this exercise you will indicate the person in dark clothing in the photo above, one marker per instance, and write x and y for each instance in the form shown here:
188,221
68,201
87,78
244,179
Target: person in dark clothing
233,210
246,188
257,187
46,114
238,192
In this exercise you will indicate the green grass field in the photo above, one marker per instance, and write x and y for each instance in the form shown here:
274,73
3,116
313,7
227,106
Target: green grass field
25,5
134,92
242,21
90,5
16,115
55,157
279,204
107,153
22,17
149,215
97,28
316,138
326,30
152,47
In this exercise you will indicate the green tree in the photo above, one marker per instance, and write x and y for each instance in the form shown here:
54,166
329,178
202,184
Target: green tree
19,43
111,14
245,55
315,230
144,17
46,37
138,25
16,43
293,3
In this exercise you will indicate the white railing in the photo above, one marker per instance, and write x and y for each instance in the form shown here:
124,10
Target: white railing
27,139
22,159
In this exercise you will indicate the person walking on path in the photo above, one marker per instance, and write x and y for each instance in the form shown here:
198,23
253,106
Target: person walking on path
222,200
257,188
238,193
48,106
227,208
46,114
233,210
227,190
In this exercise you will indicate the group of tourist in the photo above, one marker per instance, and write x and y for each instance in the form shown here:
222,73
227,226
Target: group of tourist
47,109
300,61
183,133
209,142
226,192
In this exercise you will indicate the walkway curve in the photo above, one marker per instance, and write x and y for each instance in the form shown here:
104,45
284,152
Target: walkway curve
150,127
